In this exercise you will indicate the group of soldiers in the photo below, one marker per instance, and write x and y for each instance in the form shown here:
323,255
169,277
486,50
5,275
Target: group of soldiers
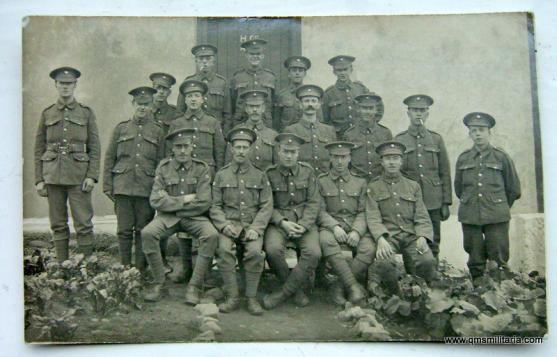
248,170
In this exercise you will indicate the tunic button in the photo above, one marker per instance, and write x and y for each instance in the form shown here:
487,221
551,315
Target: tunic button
242,203
342,201
181,192
421,175
194,155
241,181
194,145
480,195
419,145
350,116
292,194
65,108
64,140
369,152
401,227
479,183
255,82
349,107
369,162
315,157
65,129
369,142
241,192
418,136
257,158
419,155
397,204
394,193
315,136
138,145
193,137
137,155
291,183
182,180
480,174
257,148
136,165
139,134
341,190
398,214
420,165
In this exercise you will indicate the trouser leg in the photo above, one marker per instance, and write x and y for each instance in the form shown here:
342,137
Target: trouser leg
474,245
275,248
151,235
497,242
207,237
144,214
58,216
435,216
125,221
81,209
365,255
226,261
254,262
184,246
310,253
418,258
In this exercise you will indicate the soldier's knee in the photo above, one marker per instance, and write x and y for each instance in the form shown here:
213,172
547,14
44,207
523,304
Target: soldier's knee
150,240
254,255
426,266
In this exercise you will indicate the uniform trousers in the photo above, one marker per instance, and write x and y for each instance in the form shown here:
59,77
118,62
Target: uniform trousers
483,242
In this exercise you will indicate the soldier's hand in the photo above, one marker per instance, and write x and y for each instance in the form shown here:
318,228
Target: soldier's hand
353,239
189,198
421,245
109,195
384,249
230,231
41,189
88,185
251,235
291,229
340,234
445,212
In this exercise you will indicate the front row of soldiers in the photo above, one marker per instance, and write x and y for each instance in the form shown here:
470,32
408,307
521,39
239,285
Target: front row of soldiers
302,186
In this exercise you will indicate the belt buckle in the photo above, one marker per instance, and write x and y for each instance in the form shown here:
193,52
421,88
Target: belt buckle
63,149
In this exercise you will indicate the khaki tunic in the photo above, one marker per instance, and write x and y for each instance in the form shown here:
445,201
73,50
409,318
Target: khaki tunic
246,79
263,153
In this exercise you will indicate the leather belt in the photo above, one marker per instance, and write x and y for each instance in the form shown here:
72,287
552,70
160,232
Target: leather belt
67,148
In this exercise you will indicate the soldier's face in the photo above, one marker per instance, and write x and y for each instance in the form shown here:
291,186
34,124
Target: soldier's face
182,150
340,162
142,109
288,155
310,105
162,93
194,100
343,73
255,59
391,163
65,89
205,63
240,150
367,112
255,111
296,74
418,116
479,134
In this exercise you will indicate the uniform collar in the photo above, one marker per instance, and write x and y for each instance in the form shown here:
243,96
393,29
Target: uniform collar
343,85
391,179
307,124
243,168
61,105
189,113
206,75
366,125
416,130
162,108
483,152
286,171
257,127
345,176
250,69
141,121
186,165
292,87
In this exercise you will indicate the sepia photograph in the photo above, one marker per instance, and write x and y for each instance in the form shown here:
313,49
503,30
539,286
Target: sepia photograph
282,179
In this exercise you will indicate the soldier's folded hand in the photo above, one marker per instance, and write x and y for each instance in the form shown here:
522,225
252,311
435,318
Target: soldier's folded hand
384,249
88,185
41,189
353,239
251,235
189,198
292,229
230,231
445,212
340,234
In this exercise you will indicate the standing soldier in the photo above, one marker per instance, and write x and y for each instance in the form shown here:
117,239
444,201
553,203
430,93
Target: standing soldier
67,154
209,142
367,133
242,207
487,185
427,162
397,216
164,114
182,196
339,107
315,134
296,206
131,158
288,109
342,221
252,76
217,99
263,154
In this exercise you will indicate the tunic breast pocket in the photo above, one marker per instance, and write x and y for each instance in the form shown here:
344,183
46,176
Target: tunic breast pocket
253,189
432,154
332,200
216,96
407,205
172,185
150,147
230,193
125,145
383,201
468,174
409,160
206,135
301,193
337,109
77,127
494,174
351,200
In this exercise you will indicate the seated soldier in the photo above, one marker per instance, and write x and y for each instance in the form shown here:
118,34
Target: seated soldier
182,196
396,215
242,207
342,222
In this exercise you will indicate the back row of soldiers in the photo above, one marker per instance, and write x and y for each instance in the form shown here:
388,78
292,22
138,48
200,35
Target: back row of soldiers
314,184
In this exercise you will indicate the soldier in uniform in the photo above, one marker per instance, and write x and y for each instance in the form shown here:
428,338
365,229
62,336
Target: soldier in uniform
135,149
67,154
397,216
209,142
164,114
242,207
315,134
263,154
182,196
367,133
487,185
252,76
427,162
296,206
339,107
288,109
217,100
342,222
